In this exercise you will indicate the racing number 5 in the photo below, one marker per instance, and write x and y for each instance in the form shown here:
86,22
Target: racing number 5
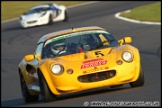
98,53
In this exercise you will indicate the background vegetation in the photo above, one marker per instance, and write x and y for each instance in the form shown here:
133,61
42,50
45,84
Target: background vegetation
13,9
151,12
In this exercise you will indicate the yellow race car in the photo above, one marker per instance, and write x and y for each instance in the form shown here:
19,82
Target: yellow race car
78,59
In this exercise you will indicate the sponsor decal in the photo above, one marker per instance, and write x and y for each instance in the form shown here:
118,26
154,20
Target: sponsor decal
95,69
93,62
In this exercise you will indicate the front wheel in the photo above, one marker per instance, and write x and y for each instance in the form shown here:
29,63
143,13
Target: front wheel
46,94
26,95
139,81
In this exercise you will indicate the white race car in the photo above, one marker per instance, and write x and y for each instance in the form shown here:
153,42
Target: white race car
43,14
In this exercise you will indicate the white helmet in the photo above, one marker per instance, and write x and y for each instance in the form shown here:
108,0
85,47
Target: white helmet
54,48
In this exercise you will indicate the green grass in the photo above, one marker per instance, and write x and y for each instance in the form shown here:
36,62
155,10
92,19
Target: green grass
151,12
13,9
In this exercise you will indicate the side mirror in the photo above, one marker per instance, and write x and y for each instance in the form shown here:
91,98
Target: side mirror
29,57
125,40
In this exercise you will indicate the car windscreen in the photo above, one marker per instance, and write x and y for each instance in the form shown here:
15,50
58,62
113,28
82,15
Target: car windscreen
78,42
38,10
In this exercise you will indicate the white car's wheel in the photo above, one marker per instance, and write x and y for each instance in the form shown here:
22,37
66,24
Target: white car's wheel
66,16
50,21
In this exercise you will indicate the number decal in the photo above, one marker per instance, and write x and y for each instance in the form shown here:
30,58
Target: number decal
98,53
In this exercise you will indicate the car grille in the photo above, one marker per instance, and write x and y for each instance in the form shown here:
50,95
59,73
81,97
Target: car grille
30,22
99,76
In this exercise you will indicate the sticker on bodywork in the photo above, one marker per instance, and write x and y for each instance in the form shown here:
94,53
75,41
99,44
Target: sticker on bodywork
93,62
95,69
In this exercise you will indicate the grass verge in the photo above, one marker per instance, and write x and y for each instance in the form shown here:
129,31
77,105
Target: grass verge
13,9
151,12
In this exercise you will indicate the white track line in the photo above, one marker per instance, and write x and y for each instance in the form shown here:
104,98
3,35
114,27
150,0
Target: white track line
117,15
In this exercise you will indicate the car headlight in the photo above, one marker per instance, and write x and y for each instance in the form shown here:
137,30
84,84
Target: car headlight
57,69
127,56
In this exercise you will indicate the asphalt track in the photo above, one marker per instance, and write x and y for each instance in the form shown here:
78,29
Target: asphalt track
17,42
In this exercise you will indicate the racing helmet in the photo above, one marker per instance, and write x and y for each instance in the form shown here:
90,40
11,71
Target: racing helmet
55,50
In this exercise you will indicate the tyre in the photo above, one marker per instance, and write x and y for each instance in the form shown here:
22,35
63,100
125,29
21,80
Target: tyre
139,81
46,94
50,20
66,16
26,95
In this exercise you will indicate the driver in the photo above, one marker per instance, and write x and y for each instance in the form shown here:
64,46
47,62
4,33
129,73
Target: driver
58,48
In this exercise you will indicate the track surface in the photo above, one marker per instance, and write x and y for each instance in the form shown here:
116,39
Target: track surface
17,42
